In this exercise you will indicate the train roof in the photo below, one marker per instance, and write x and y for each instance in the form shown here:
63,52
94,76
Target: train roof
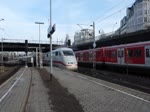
130,44
137,44
62,49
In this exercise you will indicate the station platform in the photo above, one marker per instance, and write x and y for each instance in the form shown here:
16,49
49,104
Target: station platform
96,95
31,94
24,92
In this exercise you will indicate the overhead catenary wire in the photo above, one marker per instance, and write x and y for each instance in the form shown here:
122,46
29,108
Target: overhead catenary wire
112,14
108,10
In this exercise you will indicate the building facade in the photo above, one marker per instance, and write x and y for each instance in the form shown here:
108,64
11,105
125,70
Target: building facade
85,35
137,17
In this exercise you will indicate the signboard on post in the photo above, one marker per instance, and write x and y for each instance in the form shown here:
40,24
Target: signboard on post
94,45
51,30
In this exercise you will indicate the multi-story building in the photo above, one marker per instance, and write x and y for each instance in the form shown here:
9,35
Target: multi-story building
137,17
85,35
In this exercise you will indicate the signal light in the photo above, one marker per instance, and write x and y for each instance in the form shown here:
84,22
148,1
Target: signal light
69,42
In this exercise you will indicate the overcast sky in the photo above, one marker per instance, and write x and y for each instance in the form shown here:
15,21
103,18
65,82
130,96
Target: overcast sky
20,17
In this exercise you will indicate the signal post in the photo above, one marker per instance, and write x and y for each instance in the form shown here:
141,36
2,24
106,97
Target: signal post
51,30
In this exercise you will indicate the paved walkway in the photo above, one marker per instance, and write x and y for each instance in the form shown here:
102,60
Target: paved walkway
93,94
99,96
39,99
17,88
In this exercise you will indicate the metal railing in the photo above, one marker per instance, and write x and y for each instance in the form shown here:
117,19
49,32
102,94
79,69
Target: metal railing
32,41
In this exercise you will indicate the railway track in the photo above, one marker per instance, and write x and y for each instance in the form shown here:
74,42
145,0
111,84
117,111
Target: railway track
8,73
15,86
133,81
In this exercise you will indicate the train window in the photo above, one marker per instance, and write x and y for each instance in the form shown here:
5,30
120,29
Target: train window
91,55
113,54
138,53
56,53
130,53
147,53
59,53
98,54
53,54
68,53
107,54
94,55
119,54
122,53
47,55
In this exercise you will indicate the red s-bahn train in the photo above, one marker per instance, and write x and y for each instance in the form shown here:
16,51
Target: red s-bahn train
133,57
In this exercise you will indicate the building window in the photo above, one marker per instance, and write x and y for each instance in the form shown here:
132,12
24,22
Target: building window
145,12
145,19
140,20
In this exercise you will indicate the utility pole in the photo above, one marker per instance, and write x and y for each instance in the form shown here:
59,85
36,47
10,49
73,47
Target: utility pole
51,62
51,30
94,45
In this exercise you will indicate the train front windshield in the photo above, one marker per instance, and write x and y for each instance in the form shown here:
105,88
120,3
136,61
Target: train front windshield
68,53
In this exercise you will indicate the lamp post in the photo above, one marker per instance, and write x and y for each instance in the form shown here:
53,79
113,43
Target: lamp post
40,56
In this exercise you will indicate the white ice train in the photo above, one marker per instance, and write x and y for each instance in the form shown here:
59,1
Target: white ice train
62,57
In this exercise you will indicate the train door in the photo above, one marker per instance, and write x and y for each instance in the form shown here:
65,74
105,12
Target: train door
147,55
121,56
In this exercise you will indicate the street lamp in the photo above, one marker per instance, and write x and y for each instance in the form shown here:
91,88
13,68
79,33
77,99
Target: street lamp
40,57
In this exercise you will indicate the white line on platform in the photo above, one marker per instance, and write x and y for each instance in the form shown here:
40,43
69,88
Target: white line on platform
12,86
110,87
